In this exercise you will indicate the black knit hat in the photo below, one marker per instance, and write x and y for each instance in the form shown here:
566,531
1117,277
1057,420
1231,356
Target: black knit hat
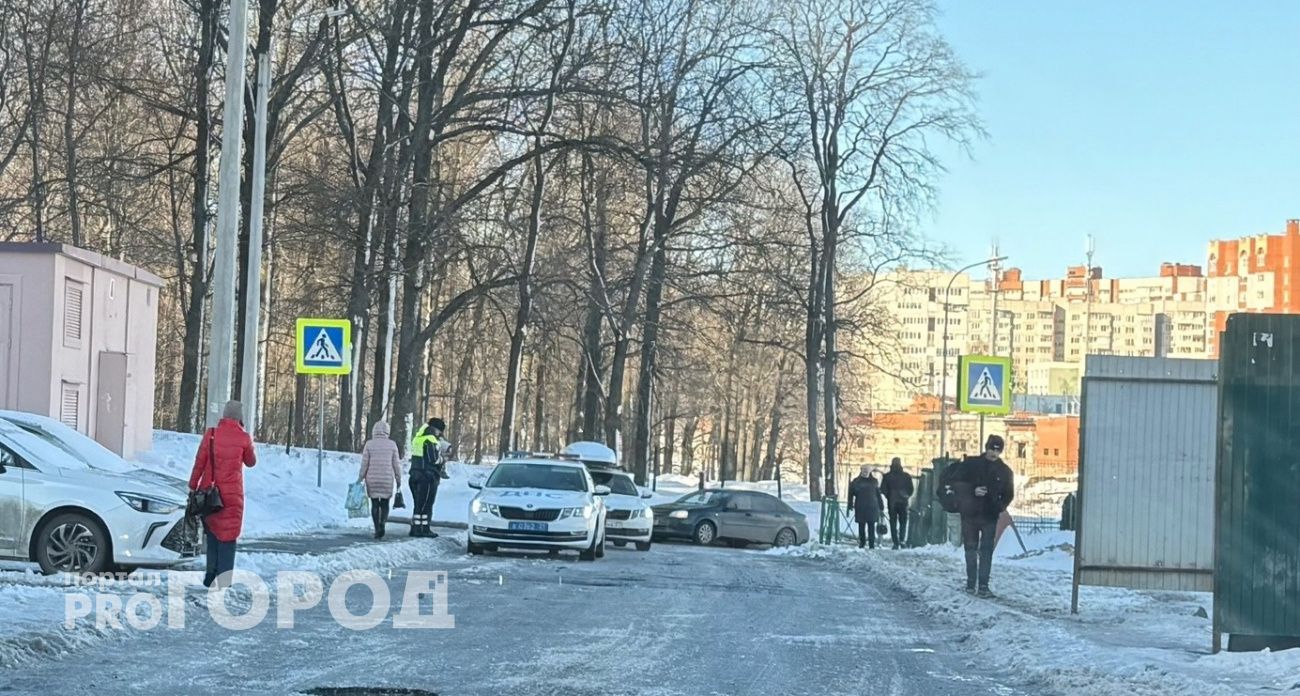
438,424
994,443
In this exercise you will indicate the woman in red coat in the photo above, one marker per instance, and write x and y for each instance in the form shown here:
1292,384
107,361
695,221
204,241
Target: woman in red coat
223,453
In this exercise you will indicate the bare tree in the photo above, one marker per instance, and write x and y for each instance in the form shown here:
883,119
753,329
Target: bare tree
873,82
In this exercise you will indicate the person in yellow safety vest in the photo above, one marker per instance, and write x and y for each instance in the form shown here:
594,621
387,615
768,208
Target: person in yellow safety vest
427,471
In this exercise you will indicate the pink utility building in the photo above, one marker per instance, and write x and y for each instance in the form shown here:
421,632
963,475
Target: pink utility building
78,334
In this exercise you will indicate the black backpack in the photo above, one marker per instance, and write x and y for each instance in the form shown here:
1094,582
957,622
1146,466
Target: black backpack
947,492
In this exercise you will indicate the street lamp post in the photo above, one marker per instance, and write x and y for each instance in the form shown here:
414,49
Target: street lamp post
943,388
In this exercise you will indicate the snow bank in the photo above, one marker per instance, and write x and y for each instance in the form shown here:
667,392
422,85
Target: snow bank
1122,643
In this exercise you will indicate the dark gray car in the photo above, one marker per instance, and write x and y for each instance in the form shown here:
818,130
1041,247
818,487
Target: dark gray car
738,517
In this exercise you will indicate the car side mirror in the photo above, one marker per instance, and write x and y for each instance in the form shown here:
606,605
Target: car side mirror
476,485
647,495
601,490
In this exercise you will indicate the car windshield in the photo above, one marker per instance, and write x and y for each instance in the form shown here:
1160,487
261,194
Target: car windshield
547,476
619,484
701,498
85,451
40,452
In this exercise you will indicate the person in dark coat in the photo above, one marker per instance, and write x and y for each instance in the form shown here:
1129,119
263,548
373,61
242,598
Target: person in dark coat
987,488
865,502
223,453
897,489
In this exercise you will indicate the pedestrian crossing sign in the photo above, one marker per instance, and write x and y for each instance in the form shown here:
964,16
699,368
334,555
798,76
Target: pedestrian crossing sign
984,385
324,346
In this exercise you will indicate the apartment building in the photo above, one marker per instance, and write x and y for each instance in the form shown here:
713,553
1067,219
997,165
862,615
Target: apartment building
1258,274
1046,326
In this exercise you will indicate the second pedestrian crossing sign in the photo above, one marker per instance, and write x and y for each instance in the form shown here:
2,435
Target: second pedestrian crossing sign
984,385
324,346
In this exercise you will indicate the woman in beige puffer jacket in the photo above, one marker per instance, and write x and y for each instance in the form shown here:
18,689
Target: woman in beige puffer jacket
381,469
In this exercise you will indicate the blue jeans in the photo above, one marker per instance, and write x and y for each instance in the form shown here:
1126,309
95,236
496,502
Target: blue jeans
221,559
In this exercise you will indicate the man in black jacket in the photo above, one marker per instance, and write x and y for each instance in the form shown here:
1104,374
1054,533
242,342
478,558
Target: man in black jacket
897,489
865,502
989,488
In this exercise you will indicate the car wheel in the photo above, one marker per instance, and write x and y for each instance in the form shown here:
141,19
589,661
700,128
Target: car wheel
600,547
785,537
642,546
588,554
73,543
620,544
705,533
473,549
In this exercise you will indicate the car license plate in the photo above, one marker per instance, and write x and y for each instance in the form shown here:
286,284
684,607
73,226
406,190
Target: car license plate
614,525
527,526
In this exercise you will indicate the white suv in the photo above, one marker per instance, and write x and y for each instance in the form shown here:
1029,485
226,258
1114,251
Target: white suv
59,511
535,503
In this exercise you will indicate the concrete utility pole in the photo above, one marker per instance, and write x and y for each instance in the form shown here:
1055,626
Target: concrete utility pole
222,337
943,398
253,297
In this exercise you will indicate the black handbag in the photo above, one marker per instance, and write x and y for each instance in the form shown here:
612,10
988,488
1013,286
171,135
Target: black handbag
399,501
206,501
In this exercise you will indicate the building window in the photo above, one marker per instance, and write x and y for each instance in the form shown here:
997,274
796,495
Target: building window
74,296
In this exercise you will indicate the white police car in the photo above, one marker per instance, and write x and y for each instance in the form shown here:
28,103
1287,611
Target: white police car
538,503
630,518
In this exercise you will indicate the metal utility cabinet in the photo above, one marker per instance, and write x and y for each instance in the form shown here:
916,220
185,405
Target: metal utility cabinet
1257,513
78,335
1146,474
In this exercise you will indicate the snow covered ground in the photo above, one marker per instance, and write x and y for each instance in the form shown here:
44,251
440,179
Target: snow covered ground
33,607
1122,642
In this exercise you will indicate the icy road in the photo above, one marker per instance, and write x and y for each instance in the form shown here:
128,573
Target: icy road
677,620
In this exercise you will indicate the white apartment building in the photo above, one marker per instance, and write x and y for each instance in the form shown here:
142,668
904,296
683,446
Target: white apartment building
1046,326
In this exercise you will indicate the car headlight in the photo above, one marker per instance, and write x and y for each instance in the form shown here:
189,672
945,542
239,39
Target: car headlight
150,503
679,514
479,507
638,514
585,512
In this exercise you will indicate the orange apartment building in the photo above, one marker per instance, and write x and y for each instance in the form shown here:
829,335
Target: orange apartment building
1037,445
1259,274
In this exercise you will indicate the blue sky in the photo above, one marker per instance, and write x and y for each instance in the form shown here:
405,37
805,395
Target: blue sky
1154,126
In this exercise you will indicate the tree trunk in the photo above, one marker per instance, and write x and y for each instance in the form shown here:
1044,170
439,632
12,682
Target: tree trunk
830,389
539,408
592,350
459,406
525,309
69,125
410,349
688,446
670,443
812,375
649,353
195,319
299,417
